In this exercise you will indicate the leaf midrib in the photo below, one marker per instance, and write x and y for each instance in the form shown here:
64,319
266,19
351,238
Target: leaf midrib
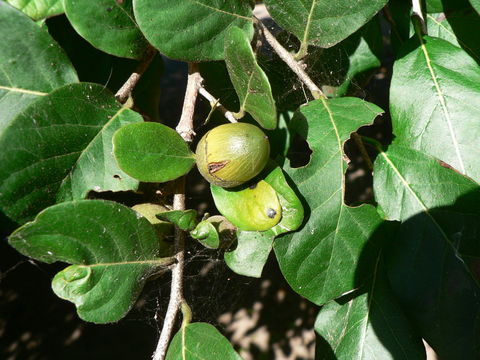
221,11
157,262
308,24
443,104
426,211
24,91
90,144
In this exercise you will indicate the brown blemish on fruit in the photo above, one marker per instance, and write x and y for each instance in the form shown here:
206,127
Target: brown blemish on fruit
213,167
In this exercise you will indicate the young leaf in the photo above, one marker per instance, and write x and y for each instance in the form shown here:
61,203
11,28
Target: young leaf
113,251
152,152
200,341
320,260
192,30
206,234
184,219
108,25
371,325
322,23
32,64
433,98
54,152
253,247
434,258
38,9
249,80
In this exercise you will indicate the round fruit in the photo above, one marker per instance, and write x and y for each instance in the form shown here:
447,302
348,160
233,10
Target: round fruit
232,154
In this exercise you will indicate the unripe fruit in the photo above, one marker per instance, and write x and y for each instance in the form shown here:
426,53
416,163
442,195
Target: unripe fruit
232,154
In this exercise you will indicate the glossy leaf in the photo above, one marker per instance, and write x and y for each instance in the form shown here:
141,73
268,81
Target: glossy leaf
249,80
54,152
108,25
253,247
418,181
113,251
31,61
184,219
322,23
192,30
38,9
433,101
434,260
371,325
199,341
320,260
458,28
152,152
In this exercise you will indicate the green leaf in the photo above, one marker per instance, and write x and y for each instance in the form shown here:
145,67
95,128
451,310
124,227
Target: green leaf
152,152
458,28
31,61
206,234
54,152
433,102
319,261
434,258
162,228
251,253
200,341
418,181
192,30
436,6
476,5
38,9
184,219
322,23
371,325
108,25
249,80
113,251
253,247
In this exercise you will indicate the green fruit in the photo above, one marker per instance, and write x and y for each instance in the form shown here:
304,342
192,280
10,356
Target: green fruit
232,154
255,208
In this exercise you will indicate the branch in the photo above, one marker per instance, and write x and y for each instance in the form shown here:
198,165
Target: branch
293,64
126,90
214,103
176,289
185,129
194,83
